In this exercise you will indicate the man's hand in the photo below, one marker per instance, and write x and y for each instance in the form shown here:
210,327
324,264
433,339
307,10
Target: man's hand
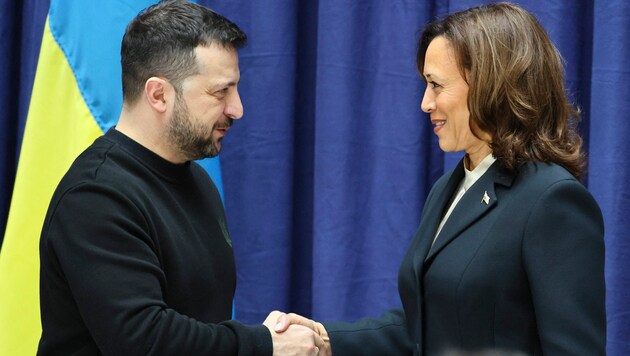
281,323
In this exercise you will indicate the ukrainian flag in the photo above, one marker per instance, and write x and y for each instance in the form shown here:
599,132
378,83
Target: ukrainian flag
77,96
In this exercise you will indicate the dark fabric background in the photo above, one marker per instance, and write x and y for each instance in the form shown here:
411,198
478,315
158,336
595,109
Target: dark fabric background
325,177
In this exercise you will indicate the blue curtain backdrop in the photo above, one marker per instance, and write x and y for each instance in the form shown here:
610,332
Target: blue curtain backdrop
21,29
325,177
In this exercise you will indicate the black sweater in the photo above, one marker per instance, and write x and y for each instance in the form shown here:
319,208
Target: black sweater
136,259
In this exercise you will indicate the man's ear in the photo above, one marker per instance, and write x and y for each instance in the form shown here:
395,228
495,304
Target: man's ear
156,91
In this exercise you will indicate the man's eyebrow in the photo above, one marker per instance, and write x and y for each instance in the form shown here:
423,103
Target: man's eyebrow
217,85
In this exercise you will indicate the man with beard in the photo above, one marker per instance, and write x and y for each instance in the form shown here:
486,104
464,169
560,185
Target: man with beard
135,252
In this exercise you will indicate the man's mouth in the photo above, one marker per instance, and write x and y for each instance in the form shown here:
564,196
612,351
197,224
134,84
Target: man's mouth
224,126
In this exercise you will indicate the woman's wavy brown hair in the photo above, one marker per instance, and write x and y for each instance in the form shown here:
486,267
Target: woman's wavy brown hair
516,85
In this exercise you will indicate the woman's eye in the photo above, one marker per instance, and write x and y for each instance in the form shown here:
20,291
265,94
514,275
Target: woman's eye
434,85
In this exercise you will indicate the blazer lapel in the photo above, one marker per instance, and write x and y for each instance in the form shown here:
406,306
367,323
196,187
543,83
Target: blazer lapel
433,215
478,200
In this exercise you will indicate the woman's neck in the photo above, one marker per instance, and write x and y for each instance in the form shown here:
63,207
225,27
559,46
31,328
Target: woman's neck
472,159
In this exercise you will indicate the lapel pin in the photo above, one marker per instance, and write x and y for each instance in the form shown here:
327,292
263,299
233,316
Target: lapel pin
486,198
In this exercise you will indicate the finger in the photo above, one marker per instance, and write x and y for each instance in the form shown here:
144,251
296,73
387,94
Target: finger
300,320
272,319
274,315
317,351
287,320
319,342
282,323
323,350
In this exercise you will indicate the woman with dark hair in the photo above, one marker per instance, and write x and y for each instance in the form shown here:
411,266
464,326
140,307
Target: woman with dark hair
509,254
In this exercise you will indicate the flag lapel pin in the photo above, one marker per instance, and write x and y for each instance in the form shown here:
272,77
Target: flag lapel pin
486,198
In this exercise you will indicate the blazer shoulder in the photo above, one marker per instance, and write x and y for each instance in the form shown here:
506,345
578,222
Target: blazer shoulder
541,174
548,185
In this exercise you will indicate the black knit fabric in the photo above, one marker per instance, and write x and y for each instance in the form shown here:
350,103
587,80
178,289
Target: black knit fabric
136,259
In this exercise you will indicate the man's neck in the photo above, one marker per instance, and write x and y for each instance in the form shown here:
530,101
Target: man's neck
146,132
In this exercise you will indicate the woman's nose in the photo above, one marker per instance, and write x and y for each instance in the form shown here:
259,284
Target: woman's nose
428,101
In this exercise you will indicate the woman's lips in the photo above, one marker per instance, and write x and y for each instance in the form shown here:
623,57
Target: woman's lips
438,125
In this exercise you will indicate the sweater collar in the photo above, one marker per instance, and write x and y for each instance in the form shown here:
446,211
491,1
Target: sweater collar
168,170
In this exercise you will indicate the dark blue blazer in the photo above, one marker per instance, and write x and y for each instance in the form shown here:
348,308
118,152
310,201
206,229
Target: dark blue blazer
521,270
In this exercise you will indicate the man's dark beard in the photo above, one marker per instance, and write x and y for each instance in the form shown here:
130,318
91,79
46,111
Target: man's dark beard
188,137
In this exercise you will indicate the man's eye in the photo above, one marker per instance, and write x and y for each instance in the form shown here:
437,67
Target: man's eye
434,85
221,93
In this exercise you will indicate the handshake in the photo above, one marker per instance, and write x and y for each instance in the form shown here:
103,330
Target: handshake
294,334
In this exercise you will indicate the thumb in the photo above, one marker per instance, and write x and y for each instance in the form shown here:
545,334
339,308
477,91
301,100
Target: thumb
282,324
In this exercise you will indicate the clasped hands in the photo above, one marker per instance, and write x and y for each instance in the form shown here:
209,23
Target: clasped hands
293,334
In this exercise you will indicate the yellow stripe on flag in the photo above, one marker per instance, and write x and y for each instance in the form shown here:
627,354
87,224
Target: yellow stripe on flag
59,127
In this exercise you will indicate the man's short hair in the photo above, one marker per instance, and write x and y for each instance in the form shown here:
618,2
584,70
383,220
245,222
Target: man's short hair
161,42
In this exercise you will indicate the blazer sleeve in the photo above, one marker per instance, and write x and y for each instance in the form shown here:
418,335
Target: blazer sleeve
386,335
563,250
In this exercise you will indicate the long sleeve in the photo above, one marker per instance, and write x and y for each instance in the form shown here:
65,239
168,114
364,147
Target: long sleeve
386,335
